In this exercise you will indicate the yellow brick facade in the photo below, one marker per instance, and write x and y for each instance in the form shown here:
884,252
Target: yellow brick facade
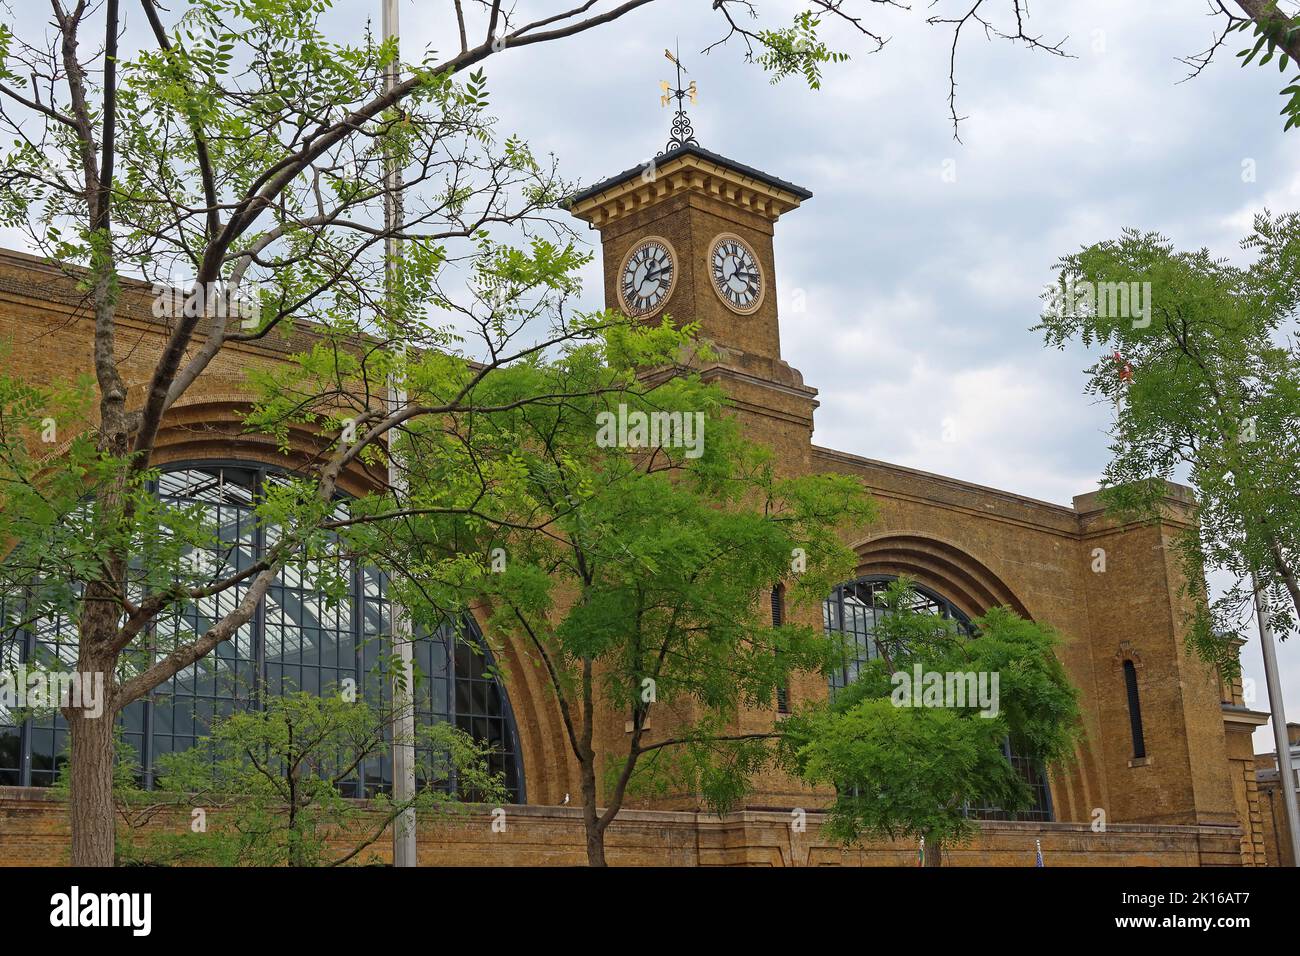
1192,800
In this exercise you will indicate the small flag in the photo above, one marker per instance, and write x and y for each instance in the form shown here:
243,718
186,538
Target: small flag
920,853
1038,853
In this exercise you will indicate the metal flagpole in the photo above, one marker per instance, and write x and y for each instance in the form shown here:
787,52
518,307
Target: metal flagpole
1286,776
399,620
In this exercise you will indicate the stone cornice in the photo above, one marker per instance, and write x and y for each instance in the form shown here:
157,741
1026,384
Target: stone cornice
1245,718
686,171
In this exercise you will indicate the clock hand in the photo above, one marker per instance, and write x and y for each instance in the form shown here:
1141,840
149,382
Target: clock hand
652,275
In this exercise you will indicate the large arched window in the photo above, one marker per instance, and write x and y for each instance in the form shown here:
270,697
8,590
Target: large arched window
297,640
852,611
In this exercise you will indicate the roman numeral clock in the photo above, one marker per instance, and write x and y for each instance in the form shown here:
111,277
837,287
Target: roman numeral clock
737,276
649,273
647,276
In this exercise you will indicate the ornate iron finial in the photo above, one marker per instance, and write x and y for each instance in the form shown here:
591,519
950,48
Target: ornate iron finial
682,134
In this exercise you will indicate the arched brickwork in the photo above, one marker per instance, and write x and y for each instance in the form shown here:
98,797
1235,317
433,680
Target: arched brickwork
549,766
971,586
940,566
212,428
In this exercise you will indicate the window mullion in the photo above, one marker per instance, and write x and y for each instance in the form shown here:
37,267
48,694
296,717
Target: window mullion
26,645
259,614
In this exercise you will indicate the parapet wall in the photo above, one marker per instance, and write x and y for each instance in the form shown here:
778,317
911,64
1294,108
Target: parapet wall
34,832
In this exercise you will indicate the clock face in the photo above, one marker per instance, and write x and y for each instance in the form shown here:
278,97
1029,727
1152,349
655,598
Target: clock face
736,275
648,275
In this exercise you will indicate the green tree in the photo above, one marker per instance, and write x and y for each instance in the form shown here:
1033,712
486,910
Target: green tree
904,766
237,144
644,597
277,786
281,782
1274,31
1206,384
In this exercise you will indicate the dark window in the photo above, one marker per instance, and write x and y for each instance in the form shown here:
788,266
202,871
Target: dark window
852,611
778,618
1134,710
298,640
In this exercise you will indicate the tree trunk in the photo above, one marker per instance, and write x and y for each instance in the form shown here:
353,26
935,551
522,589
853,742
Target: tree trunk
933,852
595,843
90,801
590,818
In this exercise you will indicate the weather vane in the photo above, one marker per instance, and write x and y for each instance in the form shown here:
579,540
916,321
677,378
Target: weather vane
682,134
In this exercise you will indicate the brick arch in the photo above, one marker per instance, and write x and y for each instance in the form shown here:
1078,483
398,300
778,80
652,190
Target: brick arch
212,429
972,587
942,567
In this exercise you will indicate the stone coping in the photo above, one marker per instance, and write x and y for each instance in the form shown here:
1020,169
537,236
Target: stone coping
705,817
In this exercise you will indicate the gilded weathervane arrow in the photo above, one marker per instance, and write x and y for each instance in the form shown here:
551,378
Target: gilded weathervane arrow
682,134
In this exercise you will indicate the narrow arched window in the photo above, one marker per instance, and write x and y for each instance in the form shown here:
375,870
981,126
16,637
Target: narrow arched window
778,618
1134,710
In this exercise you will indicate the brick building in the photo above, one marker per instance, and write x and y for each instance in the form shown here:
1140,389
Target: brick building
1166,775
1277,835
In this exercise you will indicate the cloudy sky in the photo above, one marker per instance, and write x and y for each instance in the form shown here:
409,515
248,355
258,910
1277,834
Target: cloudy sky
920,286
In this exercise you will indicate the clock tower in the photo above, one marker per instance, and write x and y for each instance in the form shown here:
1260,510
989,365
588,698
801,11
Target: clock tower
689,235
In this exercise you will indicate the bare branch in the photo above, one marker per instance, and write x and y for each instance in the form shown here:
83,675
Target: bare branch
1019,9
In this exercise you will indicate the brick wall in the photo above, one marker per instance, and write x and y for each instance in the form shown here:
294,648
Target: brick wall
977,546
34,832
